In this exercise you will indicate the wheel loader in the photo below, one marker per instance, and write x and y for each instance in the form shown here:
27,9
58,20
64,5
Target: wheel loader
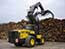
30,34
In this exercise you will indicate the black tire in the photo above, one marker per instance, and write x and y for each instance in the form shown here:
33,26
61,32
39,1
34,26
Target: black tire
28,41
41,41
17,44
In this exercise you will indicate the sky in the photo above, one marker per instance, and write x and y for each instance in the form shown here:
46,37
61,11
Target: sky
16,10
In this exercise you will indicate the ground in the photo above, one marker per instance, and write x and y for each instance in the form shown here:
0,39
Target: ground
48,45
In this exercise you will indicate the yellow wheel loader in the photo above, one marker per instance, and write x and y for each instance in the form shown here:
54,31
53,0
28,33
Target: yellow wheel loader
30,34
26,36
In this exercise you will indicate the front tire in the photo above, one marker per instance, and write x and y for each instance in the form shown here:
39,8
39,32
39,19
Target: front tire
16,44
30,41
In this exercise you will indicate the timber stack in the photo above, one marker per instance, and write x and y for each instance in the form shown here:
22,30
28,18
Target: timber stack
52,29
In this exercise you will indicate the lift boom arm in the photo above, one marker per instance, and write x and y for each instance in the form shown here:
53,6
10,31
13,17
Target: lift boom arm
32,17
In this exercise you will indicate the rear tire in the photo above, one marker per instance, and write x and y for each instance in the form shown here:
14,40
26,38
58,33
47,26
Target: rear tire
41,41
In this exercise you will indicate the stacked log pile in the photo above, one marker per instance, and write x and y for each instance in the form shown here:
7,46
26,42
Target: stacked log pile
3,35
53,29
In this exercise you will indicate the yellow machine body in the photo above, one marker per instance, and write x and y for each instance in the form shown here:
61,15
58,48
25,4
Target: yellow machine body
24,33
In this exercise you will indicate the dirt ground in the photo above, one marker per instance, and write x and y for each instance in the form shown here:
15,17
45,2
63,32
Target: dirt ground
48,45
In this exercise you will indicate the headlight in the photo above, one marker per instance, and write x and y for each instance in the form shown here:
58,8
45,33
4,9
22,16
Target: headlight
16,40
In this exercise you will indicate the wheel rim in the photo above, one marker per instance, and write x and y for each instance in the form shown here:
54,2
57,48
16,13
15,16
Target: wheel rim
42,40
32,42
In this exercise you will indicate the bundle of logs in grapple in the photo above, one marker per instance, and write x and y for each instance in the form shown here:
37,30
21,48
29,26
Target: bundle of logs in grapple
53,29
